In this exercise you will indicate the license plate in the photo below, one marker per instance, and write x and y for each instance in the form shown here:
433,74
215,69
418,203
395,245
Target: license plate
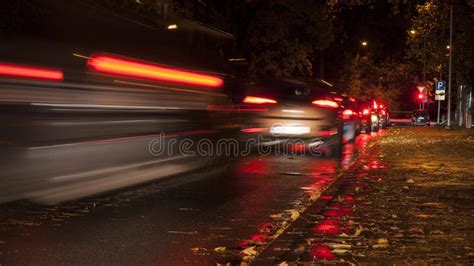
289,130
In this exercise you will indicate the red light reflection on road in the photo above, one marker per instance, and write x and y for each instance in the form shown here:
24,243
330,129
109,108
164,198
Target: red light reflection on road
340,212
254,166
329,227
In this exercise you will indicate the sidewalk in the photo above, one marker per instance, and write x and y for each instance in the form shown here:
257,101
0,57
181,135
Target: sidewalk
408,200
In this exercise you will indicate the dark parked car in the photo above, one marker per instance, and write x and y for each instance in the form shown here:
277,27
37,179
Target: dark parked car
420,117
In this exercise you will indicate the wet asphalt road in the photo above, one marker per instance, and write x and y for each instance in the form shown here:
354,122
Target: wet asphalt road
170,223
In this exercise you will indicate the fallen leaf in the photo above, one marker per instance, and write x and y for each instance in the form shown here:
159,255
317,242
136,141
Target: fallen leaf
437,232
340,246
294,214
340,251
422,215
220,249
250,251
382,242
358,231
197,250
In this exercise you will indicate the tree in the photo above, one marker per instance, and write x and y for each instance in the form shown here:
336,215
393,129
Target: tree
284,34
387,81
429,36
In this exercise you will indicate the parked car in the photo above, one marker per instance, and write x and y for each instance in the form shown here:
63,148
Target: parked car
369,115
383,113
283,110
350,116
420,117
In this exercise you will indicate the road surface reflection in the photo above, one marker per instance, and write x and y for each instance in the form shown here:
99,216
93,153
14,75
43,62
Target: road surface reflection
223,216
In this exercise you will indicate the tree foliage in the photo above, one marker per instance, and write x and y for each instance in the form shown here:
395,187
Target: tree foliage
283,35
427,43
386,81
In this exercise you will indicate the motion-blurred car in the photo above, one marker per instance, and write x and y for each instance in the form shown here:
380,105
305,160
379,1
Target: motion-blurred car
91,100
420,117
283,110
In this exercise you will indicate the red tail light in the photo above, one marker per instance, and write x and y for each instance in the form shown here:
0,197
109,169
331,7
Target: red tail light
325,103
136,69
30,72
253,130
338,99
365,112
375,105
258,100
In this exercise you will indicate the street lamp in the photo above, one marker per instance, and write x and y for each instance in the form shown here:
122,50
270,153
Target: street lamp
172,26
364,43
412,32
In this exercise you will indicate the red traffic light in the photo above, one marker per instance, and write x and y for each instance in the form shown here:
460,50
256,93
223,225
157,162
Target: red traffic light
420,96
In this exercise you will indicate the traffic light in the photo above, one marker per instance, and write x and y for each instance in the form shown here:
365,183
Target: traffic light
420,96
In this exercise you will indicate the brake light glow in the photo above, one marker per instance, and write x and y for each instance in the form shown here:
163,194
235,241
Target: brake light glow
325,103
338,99
253,130
136,69
348,112
375,105
30,72
258,100
365,112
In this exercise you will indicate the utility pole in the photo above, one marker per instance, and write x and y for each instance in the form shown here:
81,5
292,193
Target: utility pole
439,101
448,125
422,104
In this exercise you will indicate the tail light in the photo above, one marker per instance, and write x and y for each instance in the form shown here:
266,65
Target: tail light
338,99
254,130
325,103
375,105
366,112
30,72
137,69
258,100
